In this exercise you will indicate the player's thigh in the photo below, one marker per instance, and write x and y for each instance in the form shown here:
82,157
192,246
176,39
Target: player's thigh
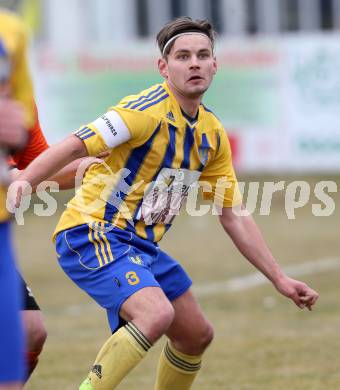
190,331
150,310
147,301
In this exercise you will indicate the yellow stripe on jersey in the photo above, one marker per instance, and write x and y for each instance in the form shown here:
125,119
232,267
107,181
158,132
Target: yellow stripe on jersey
99,238
84,133
106,242
95,244
140,229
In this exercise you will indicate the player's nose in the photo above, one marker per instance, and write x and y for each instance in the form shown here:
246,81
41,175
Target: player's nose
194,63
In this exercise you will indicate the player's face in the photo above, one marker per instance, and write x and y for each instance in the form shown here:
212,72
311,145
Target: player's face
190,66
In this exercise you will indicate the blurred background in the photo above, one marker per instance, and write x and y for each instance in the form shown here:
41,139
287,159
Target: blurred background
278,94
277,91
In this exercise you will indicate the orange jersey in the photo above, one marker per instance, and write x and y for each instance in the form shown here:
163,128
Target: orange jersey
36,145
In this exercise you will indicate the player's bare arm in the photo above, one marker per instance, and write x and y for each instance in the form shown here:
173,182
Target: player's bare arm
66,176
53,160
247,237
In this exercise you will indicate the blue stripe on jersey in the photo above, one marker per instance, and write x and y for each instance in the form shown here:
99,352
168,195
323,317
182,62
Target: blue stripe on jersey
149,95
205,143
87,135
133,164
149,232
218,143
167,160
146,100
154,102
171,150
83,130
207,109
188,143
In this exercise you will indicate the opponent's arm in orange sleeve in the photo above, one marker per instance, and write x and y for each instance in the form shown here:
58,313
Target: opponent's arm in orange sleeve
36,145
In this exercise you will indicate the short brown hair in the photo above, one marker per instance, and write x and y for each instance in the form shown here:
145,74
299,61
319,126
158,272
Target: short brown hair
181,25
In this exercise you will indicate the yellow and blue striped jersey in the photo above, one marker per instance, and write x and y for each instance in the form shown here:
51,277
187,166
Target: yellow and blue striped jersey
158,154
14,78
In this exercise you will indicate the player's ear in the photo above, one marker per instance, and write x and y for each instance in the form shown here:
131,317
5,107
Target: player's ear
163,67
215,65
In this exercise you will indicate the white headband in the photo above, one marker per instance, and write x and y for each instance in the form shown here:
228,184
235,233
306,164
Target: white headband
181,34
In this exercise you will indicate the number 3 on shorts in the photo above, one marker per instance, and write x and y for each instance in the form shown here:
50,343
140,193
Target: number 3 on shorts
132,278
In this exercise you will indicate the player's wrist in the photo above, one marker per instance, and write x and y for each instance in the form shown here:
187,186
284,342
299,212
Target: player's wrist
278,278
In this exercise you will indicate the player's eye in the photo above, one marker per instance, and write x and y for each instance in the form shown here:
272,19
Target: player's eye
183,56
204,55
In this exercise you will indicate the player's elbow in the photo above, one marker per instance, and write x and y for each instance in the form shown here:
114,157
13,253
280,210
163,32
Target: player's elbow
230,215
76,147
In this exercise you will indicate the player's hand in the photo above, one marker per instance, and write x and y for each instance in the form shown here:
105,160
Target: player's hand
16,191
299,292
12,124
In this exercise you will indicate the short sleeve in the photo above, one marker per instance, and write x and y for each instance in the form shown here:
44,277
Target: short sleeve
218,179
140,124
115,127
36,145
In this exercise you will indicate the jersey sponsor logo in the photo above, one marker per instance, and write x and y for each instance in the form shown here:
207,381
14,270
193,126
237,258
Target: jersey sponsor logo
109,125
166,195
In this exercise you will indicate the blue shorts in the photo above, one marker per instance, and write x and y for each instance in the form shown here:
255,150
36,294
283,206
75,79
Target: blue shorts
112,265
11,332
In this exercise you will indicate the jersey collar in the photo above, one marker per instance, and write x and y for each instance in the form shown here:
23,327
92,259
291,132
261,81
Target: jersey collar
175,115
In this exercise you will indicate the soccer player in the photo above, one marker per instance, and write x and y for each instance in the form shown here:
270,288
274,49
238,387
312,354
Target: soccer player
32,316
34,326
16,114
16,83
161,142
12,135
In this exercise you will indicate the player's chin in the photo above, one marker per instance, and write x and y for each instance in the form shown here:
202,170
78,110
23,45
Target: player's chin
196,90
